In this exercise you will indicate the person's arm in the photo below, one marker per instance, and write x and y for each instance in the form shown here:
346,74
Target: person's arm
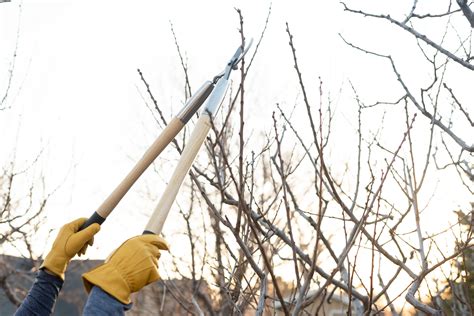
132,266
101,303
50,278
42,295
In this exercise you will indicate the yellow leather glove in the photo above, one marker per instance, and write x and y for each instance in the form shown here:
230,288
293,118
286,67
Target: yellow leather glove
67,244
129,268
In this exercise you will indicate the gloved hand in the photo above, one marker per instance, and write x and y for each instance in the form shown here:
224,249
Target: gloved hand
129,268
67,244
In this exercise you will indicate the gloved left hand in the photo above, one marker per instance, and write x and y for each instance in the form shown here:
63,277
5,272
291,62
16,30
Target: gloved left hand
129,268
67,244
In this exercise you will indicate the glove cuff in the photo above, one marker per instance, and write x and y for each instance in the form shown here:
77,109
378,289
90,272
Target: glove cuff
109,280
55,264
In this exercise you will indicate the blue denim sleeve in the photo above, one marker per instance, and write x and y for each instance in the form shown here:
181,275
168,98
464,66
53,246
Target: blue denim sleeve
42,295
101,303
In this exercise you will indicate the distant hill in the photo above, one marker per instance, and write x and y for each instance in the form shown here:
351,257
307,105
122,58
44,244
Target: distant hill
160,298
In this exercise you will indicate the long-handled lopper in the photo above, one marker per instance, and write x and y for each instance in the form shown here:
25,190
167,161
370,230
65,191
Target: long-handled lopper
212,91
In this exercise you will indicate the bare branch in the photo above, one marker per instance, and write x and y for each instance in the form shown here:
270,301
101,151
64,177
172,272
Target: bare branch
466,10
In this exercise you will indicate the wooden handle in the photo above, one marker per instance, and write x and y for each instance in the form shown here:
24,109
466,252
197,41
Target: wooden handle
158,218
166,136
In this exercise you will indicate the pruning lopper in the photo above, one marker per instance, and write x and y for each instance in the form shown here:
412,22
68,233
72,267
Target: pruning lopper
211,91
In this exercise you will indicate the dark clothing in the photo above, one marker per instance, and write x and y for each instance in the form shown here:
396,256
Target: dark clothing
42,295
45,290
101,303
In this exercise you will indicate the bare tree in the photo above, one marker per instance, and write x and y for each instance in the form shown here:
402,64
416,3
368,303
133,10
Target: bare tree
447,116
23,201
263,211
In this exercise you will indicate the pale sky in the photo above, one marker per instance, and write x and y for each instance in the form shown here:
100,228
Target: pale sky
76,67
76,91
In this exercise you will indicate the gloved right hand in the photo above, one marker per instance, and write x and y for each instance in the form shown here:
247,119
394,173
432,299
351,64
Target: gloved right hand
129,268
69,242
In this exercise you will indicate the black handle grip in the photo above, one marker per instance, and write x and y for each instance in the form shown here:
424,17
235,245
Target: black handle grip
95,218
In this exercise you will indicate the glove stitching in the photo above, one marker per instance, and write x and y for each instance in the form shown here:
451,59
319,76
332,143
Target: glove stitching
130,284
147,267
